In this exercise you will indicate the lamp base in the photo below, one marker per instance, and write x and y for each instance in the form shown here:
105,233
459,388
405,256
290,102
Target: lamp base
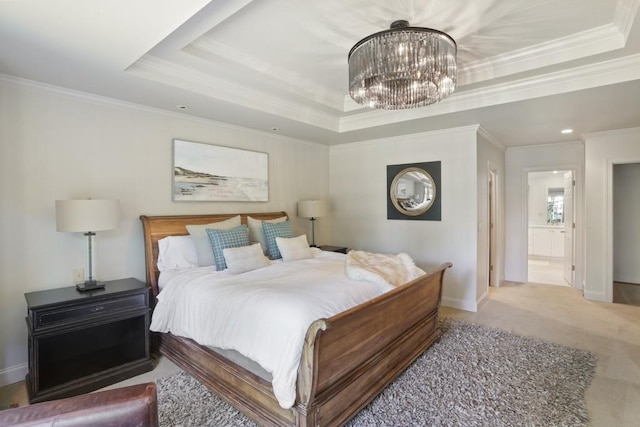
89,285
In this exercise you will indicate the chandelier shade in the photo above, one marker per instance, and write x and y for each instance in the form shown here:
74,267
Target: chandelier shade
403,67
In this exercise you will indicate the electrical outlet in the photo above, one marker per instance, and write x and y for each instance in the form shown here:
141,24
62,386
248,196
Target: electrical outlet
78,275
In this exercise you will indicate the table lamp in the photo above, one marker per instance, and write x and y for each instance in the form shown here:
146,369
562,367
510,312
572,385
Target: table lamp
87,216
312,209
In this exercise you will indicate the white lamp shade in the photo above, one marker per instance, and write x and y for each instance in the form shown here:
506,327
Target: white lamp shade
312,209
86,215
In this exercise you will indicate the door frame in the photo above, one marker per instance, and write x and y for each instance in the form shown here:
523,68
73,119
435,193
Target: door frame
608,285
572,230
578,278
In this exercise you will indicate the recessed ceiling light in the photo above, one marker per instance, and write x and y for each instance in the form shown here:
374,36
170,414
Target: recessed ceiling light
566,131
181,107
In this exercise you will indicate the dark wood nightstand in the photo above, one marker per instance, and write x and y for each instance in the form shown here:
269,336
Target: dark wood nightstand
80,342
329,248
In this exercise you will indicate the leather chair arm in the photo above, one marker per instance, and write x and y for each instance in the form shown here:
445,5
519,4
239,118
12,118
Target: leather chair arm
135,405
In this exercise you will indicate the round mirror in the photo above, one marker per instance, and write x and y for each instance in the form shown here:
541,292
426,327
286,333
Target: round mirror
412,191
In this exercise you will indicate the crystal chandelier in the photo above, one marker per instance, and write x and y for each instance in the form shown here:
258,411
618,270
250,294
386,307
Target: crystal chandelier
403,67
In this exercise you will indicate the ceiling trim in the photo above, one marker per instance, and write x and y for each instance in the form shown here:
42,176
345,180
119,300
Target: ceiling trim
624,15
573,143
167,72
492,139
615,132
585,77
206,47
98,99
104,100
471,129
576,46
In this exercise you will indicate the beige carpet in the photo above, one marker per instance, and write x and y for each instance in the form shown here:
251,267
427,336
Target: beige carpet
473,376
552,313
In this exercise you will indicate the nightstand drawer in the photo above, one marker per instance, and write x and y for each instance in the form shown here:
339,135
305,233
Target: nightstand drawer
80,313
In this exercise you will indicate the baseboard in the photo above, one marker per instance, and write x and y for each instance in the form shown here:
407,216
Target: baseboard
466,305
13,374
482,300
595,296
628,281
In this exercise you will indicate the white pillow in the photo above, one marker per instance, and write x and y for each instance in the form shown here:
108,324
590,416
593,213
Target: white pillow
256,232
294,248
176,252
201,238
245,258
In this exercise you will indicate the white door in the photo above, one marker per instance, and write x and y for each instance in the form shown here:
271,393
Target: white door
568,227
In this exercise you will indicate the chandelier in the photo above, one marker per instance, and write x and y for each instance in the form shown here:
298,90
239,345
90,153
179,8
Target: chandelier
403,67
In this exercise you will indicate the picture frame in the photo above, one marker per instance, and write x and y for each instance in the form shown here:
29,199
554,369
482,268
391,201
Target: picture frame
213,173
414,191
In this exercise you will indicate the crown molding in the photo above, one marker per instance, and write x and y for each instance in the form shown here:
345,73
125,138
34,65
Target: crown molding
492,139
585,77
206,47
84,96
470,129
103,100
615,132
624,15
576,46
549,145
169,73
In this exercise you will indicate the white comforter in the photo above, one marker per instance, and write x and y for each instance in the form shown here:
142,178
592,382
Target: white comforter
263,314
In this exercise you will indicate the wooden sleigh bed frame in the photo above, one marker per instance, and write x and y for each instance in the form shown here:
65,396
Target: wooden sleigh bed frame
347,359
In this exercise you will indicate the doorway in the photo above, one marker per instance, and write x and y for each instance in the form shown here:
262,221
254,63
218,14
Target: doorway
626,229
551,227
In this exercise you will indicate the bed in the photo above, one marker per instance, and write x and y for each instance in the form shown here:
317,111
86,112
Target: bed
347,359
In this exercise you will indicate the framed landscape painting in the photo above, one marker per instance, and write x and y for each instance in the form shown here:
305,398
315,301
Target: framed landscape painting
213,173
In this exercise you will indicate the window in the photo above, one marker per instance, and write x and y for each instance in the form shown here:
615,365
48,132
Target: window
555,206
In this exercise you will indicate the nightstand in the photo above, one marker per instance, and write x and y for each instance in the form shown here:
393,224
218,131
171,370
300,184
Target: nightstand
329,248
80,342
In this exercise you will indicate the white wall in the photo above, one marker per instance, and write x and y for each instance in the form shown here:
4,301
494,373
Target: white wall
490,157
602,151
518,162
626,224
57,144
359,205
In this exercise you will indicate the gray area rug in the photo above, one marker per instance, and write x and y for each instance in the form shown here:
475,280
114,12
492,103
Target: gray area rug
474,376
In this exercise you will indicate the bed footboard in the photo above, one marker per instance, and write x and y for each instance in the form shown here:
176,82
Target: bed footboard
350,358
347,359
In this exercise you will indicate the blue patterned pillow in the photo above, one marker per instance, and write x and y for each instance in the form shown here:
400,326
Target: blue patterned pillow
271,231
222,239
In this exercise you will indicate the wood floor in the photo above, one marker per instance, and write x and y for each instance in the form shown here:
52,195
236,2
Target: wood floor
626,293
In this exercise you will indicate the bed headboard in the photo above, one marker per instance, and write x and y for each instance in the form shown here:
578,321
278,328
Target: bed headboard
158,227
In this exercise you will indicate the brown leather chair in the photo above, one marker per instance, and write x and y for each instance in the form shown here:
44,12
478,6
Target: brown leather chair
135,405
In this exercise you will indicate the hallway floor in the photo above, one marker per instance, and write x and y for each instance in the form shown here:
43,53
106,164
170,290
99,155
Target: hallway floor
547,271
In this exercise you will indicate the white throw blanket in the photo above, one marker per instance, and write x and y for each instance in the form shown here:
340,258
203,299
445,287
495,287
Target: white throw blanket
381,269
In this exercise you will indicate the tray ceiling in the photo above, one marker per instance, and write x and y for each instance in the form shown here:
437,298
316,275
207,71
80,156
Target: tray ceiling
282,64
